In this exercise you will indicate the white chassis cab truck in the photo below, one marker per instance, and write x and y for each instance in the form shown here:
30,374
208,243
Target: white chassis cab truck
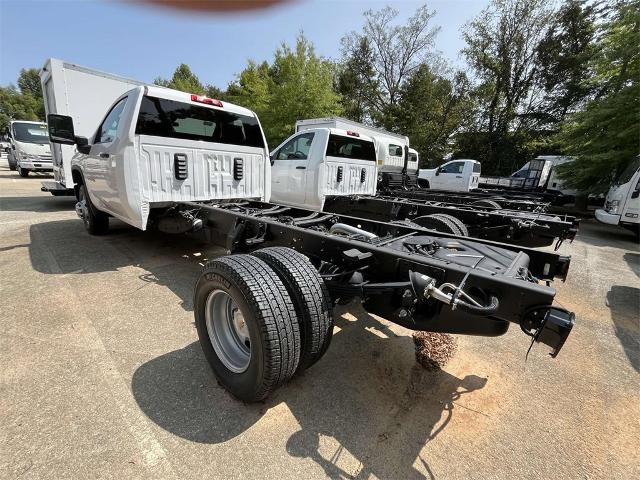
319,162
455,176
179,163
622,205
29,149
391,148
84,94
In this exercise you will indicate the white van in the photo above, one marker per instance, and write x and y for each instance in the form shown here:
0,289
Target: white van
459,175
29,147
622,205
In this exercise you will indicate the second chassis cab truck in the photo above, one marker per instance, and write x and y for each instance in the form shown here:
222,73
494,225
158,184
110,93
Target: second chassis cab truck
395,161
334,170
163,159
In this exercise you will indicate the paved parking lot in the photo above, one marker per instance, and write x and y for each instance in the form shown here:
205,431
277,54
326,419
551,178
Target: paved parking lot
102,375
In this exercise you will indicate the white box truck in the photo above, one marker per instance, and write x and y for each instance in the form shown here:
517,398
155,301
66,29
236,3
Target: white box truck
622,205
83,94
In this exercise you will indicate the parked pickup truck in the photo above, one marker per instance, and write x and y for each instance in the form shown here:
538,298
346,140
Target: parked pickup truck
455,176
166,160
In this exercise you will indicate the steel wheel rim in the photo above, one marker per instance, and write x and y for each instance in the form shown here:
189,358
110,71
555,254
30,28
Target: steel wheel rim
84,207
228,331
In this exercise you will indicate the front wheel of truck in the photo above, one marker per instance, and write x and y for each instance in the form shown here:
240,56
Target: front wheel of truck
23,172
247,326
95,221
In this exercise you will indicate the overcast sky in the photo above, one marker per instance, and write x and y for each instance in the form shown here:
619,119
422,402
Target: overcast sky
144,42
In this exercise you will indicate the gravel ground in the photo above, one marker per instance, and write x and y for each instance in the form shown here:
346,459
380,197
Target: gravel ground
102,375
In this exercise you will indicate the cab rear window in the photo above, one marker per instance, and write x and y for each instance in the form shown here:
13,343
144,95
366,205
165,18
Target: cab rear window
348,147
476,167
167,118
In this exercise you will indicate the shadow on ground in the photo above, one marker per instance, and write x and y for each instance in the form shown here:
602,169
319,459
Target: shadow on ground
63,247
367,393
37,204
600,235
624,303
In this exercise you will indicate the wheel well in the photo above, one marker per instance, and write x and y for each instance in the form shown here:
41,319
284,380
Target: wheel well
77,181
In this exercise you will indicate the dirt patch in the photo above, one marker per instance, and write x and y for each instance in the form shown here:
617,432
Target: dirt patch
433,350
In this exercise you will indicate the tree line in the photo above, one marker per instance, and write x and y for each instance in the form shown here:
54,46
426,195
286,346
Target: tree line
538,78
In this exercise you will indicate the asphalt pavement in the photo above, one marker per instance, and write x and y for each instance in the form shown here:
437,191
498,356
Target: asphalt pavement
102,375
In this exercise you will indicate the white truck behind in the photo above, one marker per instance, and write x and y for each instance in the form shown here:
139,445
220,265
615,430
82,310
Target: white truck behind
29,149
83,94
622,205
391,148
317,162
460,175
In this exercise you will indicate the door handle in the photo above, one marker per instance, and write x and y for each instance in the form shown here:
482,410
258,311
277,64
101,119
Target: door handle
104,155
301,168
458,176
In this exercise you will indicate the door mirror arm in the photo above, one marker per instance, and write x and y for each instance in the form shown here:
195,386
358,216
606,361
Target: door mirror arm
82,144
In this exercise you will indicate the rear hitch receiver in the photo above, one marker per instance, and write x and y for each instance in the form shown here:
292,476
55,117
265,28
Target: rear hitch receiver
549,325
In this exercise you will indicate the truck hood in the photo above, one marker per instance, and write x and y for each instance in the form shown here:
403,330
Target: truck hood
33,148
427,172
617,192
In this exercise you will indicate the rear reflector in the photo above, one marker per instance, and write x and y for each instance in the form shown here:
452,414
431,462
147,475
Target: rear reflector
206,100
352,133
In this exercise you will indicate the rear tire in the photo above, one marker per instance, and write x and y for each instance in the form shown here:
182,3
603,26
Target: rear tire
310,298
437,223
95,221
23,172
486,204
459,224
266,314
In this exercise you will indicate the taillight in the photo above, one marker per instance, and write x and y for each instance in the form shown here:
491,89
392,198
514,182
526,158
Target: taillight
206,100
352,133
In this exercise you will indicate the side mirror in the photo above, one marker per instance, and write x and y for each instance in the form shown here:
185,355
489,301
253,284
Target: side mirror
635,194
61,129
271,159
437,171
7,149
83,145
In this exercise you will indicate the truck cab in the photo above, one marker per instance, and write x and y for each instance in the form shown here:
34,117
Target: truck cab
457,176
622,204
29,147
317,162
155,146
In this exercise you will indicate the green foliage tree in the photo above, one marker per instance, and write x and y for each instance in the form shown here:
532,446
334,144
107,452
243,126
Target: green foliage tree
25,103
298,84
183,79
29,82
356,82
605,136
502,46
565,61
385,54
430,110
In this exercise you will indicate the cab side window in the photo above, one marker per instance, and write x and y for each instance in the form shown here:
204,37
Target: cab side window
297,148
395,150
107,131
453,167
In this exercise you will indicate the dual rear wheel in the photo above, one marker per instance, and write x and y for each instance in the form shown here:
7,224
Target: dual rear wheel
261,318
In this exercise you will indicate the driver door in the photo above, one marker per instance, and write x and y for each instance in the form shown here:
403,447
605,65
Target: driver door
289,170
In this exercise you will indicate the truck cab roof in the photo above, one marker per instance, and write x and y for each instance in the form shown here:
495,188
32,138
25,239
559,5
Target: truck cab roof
201,100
